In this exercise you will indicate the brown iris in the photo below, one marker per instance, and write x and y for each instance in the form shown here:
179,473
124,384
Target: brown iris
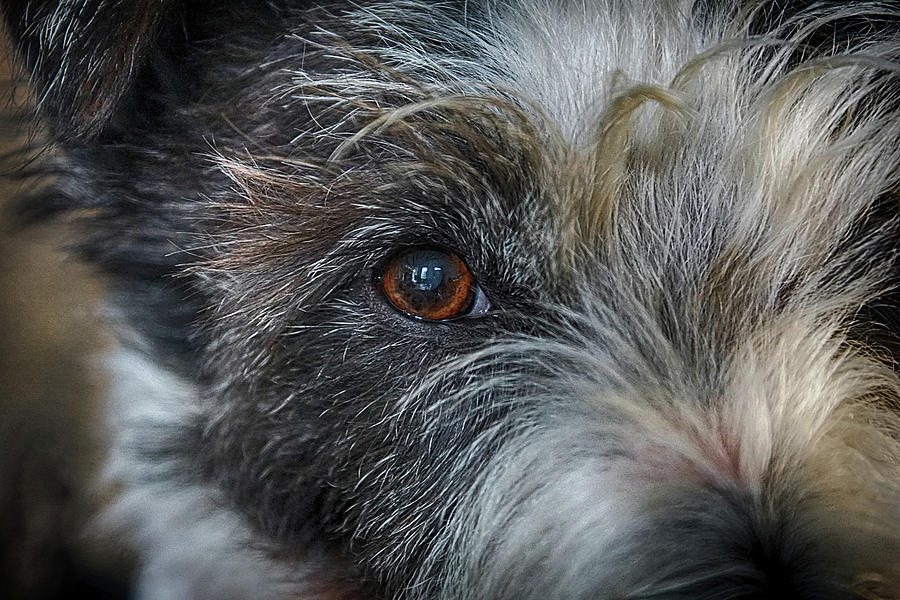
427,283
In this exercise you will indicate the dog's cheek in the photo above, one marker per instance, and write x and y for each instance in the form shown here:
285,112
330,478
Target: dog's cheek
285,426
334,434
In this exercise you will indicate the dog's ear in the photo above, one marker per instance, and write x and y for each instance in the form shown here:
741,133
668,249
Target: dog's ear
84,54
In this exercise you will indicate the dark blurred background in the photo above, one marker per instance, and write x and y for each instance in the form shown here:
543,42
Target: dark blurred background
50,441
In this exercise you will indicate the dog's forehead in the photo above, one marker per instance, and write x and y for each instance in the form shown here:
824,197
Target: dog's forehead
555,72
570,58
561,64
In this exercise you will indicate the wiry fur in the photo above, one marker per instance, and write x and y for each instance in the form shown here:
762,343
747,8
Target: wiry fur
684,215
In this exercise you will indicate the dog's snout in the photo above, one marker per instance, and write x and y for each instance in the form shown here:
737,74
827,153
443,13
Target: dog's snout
635,497
679,541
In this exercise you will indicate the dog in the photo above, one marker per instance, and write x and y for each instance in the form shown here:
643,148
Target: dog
487,299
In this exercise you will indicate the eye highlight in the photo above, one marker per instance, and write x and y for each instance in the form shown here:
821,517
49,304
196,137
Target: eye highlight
432,284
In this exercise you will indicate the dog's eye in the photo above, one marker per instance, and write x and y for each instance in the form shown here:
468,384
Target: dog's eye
432,284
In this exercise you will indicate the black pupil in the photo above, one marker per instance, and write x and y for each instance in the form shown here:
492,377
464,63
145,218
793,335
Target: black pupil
426,270
429,277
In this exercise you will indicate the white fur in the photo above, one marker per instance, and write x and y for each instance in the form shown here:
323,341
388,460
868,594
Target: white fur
190,545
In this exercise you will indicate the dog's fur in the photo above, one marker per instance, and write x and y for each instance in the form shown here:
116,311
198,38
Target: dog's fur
683,213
